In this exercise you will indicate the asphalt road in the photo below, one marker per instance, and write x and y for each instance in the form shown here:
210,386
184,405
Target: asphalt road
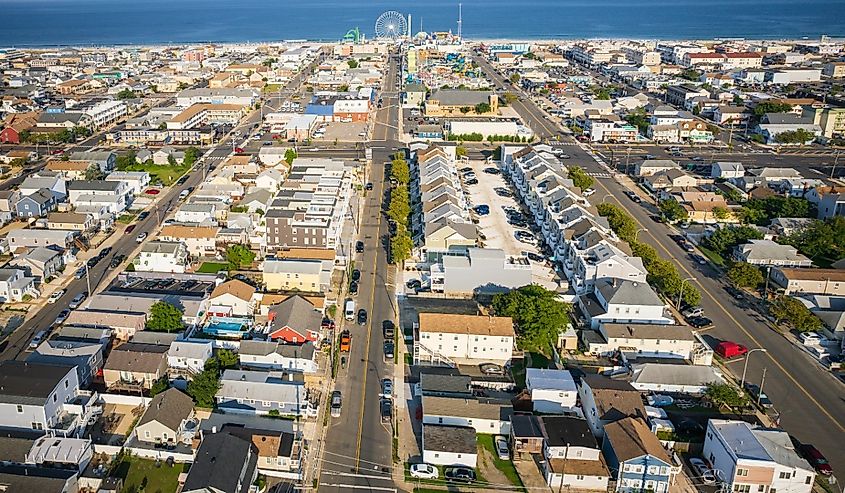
811,401
358,451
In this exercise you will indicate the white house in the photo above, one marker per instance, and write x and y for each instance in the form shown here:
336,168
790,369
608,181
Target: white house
196,213
684,379
189,355
269,179
232,298
552,391
115,195
201,241
650,341
15,284
136,181
467,338
33,396
751,459
162,256
621,301
445,445
485,417
573,458
727,170
275,356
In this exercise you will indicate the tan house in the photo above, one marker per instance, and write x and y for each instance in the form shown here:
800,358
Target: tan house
71,221
300,269
75,86
73,170
672,178
704,207
447,234
123,325
810,281
165,417
135,366
200,240
277,451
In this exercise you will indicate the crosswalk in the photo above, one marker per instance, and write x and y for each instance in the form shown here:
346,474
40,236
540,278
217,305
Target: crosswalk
600,175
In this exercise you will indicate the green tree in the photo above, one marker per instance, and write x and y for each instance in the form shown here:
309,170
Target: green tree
580,178
171,160
460,151
691,74
723,395
124,162
401,244
771,107
509,97
538,314
788,310
290,155
239,256
399,207
126,94
465,109
400,171
164,317
352,63
94,173
639,119
192,154
159,386
797,136
720,213
745,275
205,385
620,222
515,77
226,359
482,108
725,239
820,239
673,211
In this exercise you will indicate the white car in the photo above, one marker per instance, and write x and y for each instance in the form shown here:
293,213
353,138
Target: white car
424,471
55,296
589,192
702,471
502,448
141,237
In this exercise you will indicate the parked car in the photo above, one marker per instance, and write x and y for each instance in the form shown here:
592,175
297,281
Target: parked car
356,275
695,311
492,171
660,400
414,284
80,272
700,322
491,369
38,339
482,210
702,471
129,229
424,471
62,317
502,448
77,300
359,246
388,329
472,181
55,296
353,288
337,403
369,186
389,350
816,459
758,396
459,474
730,349
588,192
362,317
117,260
387,388
141,237
386,406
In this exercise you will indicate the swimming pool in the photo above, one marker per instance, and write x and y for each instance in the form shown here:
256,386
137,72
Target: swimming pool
226,329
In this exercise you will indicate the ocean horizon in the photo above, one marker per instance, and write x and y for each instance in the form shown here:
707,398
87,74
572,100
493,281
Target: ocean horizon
43,23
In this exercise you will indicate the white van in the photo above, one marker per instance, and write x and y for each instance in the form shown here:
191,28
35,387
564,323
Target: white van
349,310
184,194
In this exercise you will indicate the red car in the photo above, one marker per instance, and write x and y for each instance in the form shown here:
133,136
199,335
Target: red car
239,150
57,152
152,191
816,459
129,229
728,350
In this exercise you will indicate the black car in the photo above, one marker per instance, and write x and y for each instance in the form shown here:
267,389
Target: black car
359,246
182,180
93,261
535,257
388,329
143,215
389,349
356,275
471,181
386,410
758,396
700,322
353,287
460,474
414,284
105,252
492,171
369,186
117,260
465,169
362,317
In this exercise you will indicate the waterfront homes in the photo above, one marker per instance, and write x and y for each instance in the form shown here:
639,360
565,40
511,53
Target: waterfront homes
164,420
260,392
605,401
636,458
162,256
464,338
750,458
38,397
310,207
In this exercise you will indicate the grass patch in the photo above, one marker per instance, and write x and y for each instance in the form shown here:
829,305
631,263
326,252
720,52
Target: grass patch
212,267
163,174
271,88
505,466
142,475
539,360
712,256
126,218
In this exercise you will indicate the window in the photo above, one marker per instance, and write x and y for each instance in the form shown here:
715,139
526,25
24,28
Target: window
742,472
436,455
579,478
55,398
808,480
440,421
742,488
20,408
653,470
761,487
66,384
146,433
785,475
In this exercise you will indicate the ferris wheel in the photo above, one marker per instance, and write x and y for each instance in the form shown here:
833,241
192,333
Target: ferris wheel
391,25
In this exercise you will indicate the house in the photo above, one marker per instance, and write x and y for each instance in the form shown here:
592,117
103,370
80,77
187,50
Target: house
810,281
294,321
57,452
53,182
197,213
454,102
71,221
623,301
768,252
33,396
302,269
135,366
200,241
105,160
232,298
702,207
485,416
637,460
750,458
672,178
8,200
279,452
661,341
573,458
72,346
830,201
262,392
677,378
29,238
42,479
136,181
445,384
188,356
486,270
164,155
224,463
650,167
71,170
727,170
446,445
258,199
119,318
15,285
526,436
41,262
269,179
552,391
275,356
162,256
37,204
466,338
114,195
164,420
605,401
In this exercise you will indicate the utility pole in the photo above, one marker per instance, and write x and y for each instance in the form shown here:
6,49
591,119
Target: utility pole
835,162
766,287
88,278
762,382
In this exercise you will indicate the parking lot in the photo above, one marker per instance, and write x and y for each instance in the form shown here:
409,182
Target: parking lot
343,132
494,226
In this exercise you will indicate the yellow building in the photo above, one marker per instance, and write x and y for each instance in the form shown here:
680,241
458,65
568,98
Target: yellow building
460,102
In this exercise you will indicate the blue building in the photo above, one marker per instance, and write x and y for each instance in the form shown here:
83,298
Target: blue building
636,458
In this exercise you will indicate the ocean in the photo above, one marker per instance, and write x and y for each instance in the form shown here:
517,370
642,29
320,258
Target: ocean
126,22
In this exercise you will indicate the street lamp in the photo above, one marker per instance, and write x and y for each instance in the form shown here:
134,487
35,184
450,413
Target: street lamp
745,366
637,233
681,293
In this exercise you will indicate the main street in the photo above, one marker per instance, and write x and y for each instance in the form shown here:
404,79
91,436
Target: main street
811,401
358,450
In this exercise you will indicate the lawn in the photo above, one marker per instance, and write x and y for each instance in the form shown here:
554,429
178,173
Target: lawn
163,174
143,475
505,466
212,267
712,256
126,218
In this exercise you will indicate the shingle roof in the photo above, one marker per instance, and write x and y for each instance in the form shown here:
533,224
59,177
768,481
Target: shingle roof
466,324
445,438
562,430
236,288
615,399
296,313
220,461
136,357
169,408
624,292
28,383
631,438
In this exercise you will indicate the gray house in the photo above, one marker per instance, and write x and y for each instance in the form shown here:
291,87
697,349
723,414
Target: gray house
165,417
105,160
37,204
40,262
224,463
15,284
480,270
259,392
84,354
